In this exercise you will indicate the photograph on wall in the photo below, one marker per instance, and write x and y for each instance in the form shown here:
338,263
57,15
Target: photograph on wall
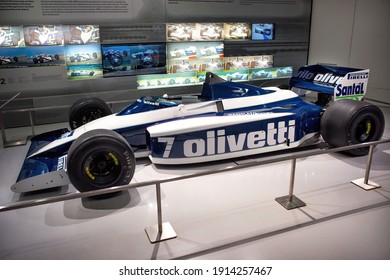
284,72
210,64
237,31
209,32
45,56
270,73
263,31
43,35
133,59
83,54
236,75
180,66
267,61
84,71
167,80
192,50
11,37
83,62
81,34
201,75
210,50
181,51
248,62
12,57
177,32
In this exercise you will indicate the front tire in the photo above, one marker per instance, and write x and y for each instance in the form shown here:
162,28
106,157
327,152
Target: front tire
86,110
100,159
348,122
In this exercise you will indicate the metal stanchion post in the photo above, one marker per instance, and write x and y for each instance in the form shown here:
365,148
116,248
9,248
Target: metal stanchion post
161,231
290,201
292,179
365,183
159,210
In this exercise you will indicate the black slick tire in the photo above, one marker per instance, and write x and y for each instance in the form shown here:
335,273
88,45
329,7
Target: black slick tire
100,159
347,122
86,110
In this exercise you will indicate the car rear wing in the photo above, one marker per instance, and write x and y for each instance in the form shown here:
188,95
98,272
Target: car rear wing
337,82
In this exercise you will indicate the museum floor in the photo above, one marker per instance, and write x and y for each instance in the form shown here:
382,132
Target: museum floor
230,215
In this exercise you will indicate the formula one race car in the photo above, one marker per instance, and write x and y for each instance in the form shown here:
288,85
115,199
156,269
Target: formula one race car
180,33
261,74
211,50
145,59
211,32
189,52
82,73
284,72
45,58
264,29
226,120
236,76
238,32
8,60
114,57
79,57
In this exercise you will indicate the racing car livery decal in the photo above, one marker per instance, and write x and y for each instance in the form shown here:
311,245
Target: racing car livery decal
252,132
341,82
226,120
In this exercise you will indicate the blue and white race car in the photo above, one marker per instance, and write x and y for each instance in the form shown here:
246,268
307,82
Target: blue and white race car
226,120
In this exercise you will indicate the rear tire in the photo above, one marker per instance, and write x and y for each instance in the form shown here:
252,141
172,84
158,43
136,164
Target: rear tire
348,122
86,110
100,159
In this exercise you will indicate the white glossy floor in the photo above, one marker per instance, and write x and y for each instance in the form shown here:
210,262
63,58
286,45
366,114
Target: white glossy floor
231,215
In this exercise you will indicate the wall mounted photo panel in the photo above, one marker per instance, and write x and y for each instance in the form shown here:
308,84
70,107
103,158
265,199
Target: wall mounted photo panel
133,59
179,32
43,35
11,37
263,31
237,31
81,34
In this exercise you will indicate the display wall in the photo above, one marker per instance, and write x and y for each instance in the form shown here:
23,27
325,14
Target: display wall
285,27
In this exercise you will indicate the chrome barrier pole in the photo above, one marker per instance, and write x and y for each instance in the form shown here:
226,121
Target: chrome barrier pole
31,123
3,136
303,154
9,100
290,201
365,183
159,210
161,231
369,161
292,179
